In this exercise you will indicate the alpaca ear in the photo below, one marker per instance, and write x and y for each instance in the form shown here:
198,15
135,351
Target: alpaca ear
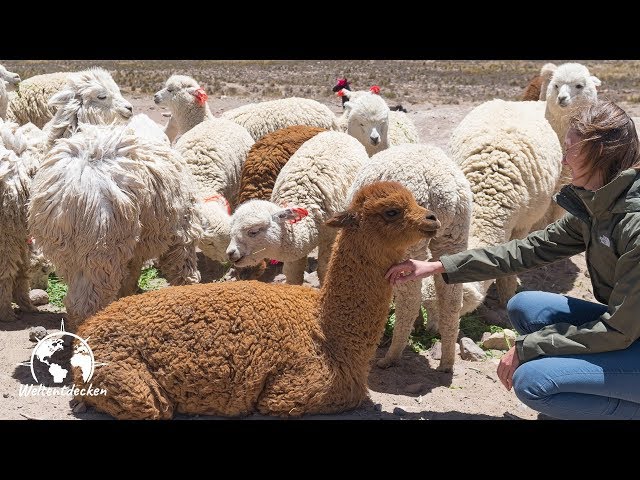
290,214
547,70
343,220
61,98
199,93
596,81
344,93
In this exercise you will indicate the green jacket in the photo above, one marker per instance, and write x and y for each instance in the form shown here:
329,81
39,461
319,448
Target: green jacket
605,223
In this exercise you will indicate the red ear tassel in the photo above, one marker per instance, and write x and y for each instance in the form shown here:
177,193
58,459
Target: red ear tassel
375,89
220,199
302,212
340,93
201,96
29,240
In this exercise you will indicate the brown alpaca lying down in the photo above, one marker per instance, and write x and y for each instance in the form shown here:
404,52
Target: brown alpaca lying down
241,347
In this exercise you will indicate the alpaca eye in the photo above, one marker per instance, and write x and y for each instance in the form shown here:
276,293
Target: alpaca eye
557,86
391,213
578,86
253,233
102,97
170,90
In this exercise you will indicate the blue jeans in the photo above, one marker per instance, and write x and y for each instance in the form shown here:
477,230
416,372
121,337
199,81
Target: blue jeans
594,386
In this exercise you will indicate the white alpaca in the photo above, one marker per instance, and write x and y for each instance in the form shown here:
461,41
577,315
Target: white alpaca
104,201
266,117
8,81
367,118
439,185
187,102
311,187
512,159
571,87
90,96
30,102
17,167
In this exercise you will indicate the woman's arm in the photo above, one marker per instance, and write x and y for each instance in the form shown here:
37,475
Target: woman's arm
559,240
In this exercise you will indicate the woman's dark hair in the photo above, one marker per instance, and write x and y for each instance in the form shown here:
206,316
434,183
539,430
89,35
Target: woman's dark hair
609,141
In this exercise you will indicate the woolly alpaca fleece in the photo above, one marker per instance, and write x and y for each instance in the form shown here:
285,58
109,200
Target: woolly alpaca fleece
104,201
8,81
439,185
215,151
235,348
311,187
16,169
187,102
512,159
90,96
30,101
266,117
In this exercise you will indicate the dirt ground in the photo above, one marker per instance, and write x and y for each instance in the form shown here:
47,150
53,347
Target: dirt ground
411,390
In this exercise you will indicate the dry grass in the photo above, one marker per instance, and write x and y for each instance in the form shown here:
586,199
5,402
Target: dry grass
410,81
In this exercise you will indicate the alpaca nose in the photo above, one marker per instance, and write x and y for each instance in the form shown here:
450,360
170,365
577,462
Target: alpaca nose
562,99
431,216
233,254
156,98
129,107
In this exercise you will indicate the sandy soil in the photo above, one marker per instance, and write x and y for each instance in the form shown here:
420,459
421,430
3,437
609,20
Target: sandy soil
411,390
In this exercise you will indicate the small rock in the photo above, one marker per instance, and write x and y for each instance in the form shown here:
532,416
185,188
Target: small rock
419,399
470,351
485,335
436,350
166,114
503,340
399,412
414,387
38,297
5,395
37,333
280,278
80,408
377,407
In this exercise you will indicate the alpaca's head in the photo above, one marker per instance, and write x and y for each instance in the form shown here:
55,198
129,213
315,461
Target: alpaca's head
179,92
386,216
11,78
571,85
256,230
367,119
91,96
215,217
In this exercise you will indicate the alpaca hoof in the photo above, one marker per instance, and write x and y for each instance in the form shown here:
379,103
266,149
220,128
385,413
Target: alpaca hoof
385,362
445,368
29,308
8,316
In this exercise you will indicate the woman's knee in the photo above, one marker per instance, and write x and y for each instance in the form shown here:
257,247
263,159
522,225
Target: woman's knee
519,309
531,384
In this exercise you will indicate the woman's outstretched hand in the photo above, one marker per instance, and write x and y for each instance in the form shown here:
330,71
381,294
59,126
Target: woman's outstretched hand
411,270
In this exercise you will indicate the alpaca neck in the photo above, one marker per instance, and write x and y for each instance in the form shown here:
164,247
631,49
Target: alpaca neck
354,303
192,116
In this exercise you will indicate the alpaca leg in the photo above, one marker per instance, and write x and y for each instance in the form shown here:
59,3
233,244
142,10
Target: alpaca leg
407,300
90,291
430,304
325,245
132,393
21,292
6,311
449,298
130,283
179,264
507,286
294,271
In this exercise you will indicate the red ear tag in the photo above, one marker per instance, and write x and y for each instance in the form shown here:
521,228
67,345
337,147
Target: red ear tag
201,96
375,90
219,199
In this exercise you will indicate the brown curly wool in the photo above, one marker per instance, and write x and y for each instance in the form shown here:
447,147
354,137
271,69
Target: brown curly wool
267,157
235,348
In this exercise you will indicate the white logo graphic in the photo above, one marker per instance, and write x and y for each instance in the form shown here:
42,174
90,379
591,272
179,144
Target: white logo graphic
52,361
605,240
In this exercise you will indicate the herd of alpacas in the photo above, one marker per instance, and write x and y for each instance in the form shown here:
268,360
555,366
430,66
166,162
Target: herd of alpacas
92,191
